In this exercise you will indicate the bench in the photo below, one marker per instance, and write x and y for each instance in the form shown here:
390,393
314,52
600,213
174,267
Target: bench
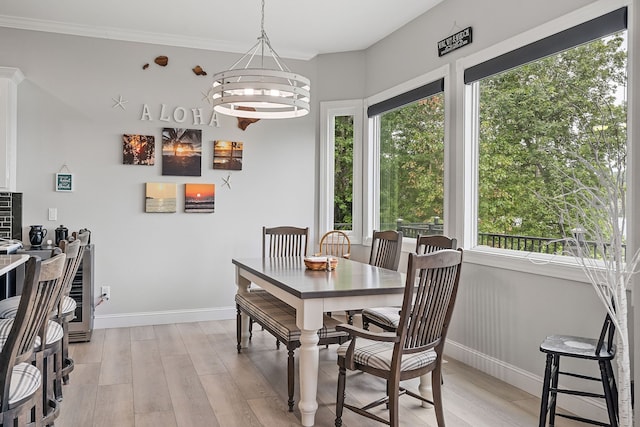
279,319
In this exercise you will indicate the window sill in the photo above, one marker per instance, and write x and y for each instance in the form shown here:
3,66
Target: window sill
561,267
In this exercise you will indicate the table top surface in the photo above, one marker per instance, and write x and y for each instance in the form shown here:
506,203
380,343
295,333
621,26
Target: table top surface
9,262
348,279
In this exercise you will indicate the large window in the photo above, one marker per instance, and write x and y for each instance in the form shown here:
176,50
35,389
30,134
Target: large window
411,167
537,117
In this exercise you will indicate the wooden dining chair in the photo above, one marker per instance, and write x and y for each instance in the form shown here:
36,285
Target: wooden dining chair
23,399
284,241
387,318
415,348
386,248
335,243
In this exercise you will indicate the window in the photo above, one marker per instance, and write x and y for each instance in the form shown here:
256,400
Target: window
410,170
343,173
536,106
340,168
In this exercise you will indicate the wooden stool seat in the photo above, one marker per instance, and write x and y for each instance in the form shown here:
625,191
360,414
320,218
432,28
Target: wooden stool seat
601,350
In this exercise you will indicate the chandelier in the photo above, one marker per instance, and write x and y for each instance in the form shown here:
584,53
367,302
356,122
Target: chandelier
249,89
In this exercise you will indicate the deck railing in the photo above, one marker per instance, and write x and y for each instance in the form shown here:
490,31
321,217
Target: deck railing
546,245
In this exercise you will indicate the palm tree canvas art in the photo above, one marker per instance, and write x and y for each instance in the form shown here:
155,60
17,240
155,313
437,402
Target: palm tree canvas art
181,152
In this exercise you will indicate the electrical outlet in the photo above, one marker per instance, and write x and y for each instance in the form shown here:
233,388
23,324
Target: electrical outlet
105,292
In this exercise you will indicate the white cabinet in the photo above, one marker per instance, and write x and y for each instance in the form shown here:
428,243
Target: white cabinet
9,80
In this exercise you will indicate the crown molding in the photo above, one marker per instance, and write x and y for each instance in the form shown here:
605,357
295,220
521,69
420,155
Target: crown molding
113,33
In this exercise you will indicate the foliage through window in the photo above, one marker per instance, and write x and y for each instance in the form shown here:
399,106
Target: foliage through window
412,167
343,173
533,123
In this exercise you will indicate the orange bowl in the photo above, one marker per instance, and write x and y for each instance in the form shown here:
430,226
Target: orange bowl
320,263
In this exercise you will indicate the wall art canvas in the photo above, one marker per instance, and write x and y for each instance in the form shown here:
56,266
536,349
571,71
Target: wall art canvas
199,198
181,152
160,197
138,150
227,155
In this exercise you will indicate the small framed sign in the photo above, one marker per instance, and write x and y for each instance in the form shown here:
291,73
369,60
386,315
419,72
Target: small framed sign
455,41
64,182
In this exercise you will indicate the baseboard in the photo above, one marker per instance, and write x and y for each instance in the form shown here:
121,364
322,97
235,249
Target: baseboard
162,317
583,406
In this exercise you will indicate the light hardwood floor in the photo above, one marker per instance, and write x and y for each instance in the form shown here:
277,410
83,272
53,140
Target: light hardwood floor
190,375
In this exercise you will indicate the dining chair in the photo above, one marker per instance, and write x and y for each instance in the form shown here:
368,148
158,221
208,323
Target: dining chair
416,348
284,241
335,243
24,400
601,350
386,248
387,318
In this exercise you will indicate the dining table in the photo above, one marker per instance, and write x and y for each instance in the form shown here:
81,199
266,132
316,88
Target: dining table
351,285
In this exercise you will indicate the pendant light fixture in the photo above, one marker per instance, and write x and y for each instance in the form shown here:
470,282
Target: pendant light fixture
250,89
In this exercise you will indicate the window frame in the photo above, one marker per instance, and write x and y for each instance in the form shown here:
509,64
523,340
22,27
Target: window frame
371,155
329,110
541,264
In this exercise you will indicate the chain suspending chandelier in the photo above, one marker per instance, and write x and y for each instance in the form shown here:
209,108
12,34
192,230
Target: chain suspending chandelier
249,89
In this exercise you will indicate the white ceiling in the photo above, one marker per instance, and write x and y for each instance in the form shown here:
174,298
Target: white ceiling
297,28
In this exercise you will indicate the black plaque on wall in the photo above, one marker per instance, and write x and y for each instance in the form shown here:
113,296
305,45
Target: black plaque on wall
454,41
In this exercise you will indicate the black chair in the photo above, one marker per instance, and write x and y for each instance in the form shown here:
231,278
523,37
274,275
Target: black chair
601,350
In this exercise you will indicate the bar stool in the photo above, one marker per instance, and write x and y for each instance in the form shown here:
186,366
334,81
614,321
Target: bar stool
25,341
66,310
601,350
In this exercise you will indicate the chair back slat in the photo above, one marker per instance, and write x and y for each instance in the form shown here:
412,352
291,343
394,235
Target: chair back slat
430,293
41,285
284,241
74,251
386,248
335,243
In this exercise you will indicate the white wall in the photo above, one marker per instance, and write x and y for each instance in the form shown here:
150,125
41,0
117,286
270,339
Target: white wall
155,263
163,263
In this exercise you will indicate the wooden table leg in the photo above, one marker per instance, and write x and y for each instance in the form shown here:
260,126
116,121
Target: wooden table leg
425,389
243,288
309,360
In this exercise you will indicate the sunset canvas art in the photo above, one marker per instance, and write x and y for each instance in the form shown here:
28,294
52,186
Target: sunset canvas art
199,198
160,197
181,152
138,150
227,155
